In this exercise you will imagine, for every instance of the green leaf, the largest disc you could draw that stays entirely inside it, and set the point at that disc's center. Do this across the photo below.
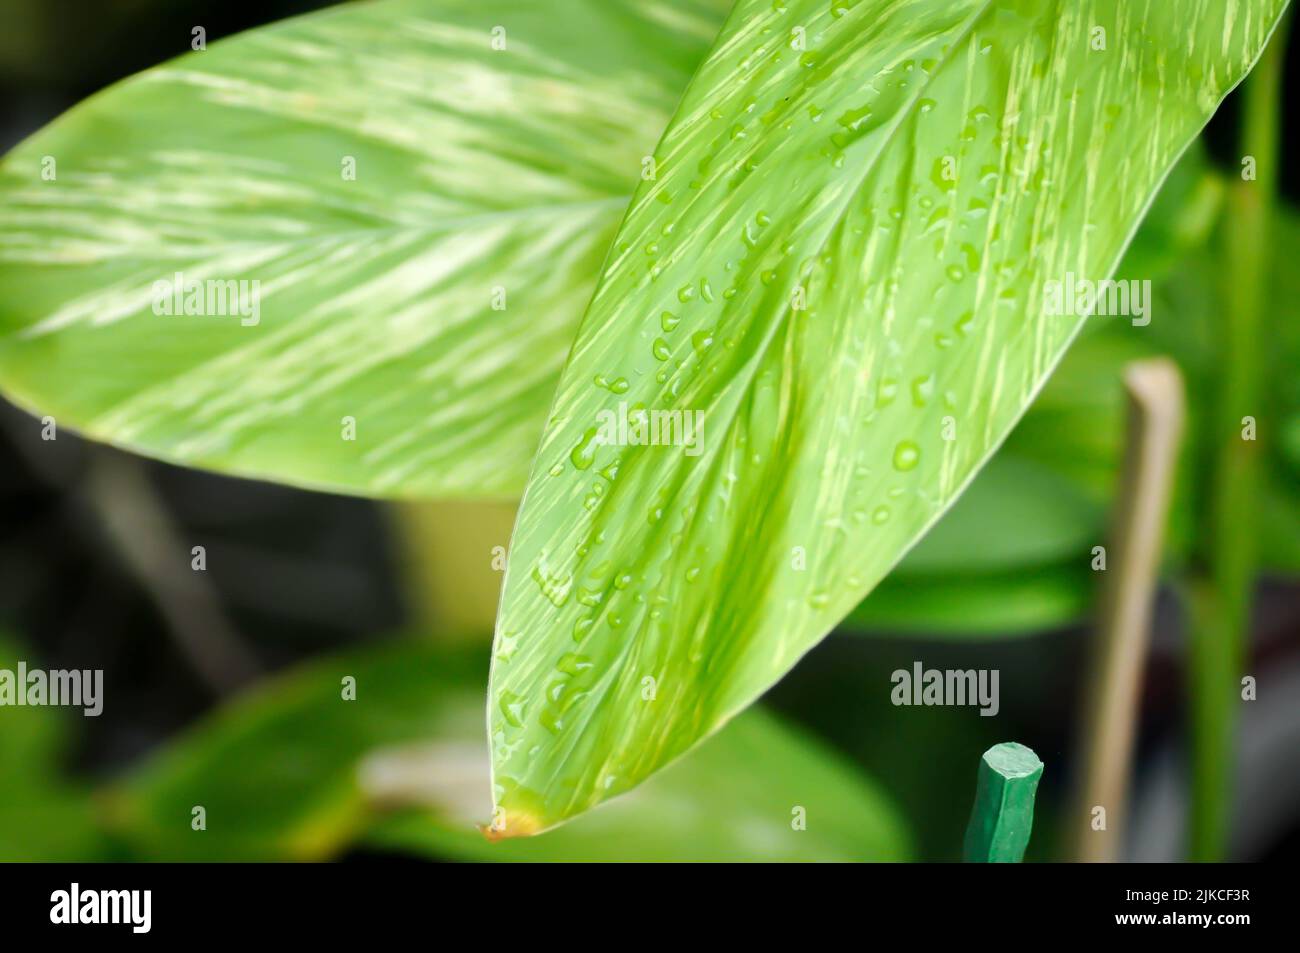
(276, 771)
(814, 282)
(983, 528)
(43, 815)
(294, 771)
(977, 605)
(1009, 558)
(1011, 555)
(476, 169)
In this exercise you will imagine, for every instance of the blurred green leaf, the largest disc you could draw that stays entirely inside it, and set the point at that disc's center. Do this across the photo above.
(844, 250)
(1010, 558)
(295, 771)
(973, 605)
(43, 815)
(476, 169)
(1016, 513)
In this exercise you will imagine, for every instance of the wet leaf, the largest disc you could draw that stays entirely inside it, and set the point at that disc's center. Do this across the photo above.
(831, 298)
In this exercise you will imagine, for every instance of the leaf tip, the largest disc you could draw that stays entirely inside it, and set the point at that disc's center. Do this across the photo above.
(511, 825)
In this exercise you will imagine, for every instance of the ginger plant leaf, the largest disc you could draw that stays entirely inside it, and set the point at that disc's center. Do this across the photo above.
(816, 323)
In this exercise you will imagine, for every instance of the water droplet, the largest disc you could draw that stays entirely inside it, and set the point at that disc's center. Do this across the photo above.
(584, 453)
(922, 390)
(886, 391)
(554, 587)
(512, 709)
(906, 456)
(881, 515)
(668, 321)
(853, 118)
(660, 350)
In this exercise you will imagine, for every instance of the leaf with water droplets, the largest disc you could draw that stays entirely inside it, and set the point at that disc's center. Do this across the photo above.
(422, 191)
(893, 297)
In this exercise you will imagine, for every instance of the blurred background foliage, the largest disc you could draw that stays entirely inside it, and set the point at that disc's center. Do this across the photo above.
(303, 589)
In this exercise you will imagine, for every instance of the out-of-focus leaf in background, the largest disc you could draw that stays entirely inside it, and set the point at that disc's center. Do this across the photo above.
(476, 169)
(43, 816)
(843, 249)
(295, 771)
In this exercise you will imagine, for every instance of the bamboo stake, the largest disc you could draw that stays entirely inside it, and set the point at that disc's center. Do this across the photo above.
(1155, 421)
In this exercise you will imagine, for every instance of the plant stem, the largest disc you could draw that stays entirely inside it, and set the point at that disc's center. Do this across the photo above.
(1221, 593)
(118, 491)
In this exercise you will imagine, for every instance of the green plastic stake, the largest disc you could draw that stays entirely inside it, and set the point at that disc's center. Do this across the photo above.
(1003, 815)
